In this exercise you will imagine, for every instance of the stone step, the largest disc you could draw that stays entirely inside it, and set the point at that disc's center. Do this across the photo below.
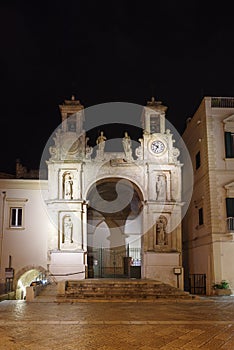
(125, 290)
(102, 289)
(50, 289)
(47, 293)
(124, 295)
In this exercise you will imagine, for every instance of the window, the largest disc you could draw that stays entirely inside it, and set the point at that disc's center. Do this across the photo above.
(71, 123)
(154, 123)
(229, 144)
(198, 160)
(16, 217)
(230, 214)
(16, 212)
(200, 216)
(230, 207)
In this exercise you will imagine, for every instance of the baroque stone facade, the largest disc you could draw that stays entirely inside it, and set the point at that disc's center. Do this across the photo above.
(148, 179)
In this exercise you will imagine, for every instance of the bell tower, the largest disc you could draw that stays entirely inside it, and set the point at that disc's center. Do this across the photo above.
(67, 246)
(153, 119)
(72, 113)
(157, 142)
(70, 138)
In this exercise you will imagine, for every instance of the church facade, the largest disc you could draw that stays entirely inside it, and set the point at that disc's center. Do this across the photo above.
(99, 213)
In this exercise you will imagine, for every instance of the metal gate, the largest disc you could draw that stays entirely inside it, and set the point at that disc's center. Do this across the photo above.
(197, 284)
(111, 262)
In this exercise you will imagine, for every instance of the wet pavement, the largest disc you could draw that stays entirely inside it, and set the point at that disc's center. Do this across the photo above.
(44, 324)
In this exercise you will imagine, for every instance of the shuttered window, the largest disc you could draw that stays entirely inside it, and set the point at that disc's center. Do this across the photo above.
(16, 217)
(229, 144)
(230, 207)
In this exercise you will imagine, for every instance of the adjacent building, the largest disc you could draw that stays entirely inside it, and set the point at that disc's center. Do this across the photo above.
(208, 226)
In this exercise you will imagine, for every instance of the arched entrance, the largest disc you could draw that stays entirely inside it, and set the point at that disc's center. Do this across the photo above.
(114, 229)
(27, 275)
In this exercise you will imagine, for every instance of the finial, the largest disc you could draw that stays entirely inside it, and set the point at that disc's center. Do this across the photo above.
(157, 105)
(72, 101)
(153, 102)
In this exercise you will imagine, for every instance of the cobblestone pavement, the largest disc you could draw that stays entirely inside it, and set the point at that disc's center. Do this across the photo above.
(167, 325)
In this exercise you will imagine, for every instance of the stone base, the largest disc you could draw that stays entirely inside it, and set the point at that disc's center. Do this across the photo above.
(222, 292)
(160, 267)
(67, 265)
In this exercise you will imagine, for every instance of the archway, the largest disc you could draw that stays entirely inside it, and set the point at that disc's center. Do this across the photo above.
(25, 277)
(114, 228)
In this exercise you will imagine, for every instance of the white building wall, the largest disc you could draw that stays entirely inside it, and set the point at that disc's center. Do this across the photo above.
(27, 246)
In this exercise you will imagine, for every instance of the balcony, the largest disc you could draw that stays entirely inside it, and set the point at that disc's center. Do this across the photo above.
(222, 102)
(230, 224)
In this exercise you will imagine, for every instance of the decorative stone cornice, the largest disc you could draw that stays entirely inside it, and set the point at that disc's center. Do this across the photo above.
(229, 123)
(230, 189)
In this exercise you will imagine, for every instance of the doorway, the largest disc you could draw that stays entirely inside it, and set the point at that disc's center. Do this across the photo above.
(114, 229)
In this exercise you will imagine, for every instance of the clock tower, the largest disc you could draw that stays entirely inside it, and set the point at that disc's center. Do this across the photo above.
(157, 142)
(163, 168)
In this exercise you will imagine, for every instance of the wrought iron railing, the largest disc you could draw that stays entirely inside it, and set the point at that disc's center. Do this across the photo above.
(197, 284)
(135, 254)
(230, 224)
(222, 102)
(113, 262)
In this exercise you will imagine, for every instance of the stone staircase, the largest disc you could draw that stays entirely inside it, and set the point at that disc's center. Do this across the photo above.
(47, 294)
(120, 290)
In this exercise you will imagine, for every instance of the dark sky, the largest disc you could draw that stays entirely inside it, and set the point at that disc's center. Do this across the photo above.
(104, 51)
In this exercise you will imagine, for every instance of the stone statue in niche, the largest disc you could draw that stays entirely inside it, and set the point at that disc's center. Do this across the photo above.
(68, 186)
(127, 146)
(161, 234)
(161, 187)
(67, 230)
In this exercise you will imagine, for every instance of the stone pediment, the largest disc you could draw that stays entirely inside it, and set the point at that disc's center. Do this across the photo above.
(229, 123)
(230, 189)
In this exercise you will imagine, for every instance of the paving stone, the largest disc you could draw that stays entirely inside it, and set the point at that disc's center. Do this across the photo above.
(46, 325)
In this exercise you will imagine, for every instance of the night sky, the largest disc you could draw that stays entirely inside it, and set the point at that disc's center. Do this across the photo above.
(105, 51)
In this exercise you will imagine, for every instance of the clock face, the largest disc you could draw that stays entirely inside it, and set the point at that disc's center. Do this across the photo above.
(157, 147)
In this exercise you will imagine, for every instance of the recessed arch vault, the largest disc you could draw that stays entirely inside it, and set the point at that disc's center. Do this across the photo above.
(114, 202)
